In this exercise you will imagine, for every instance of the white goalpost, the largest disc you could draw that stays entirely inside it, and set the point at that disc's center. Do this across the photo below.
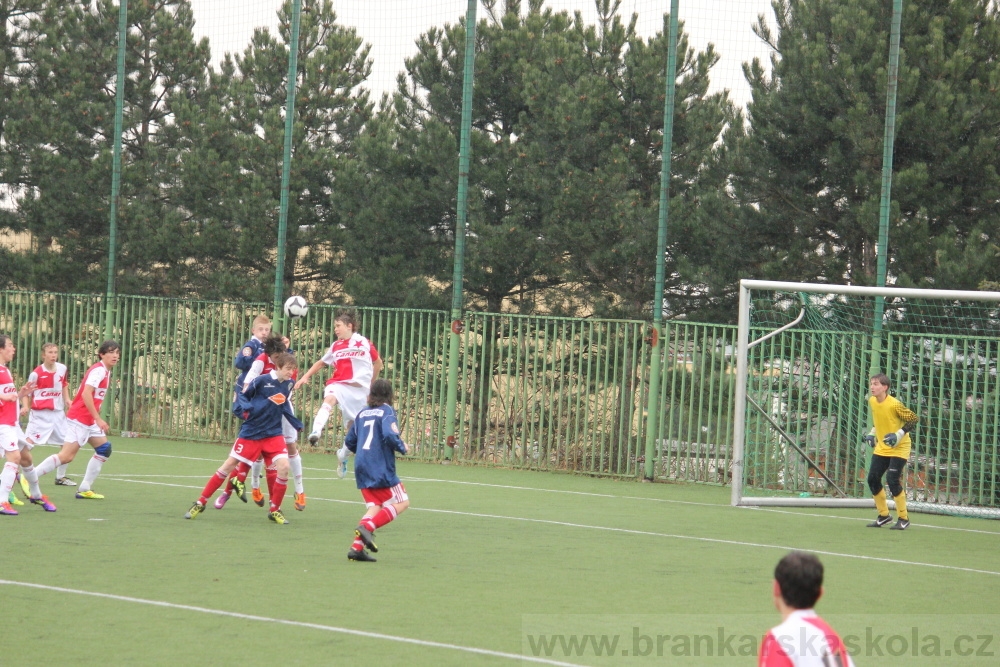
(804, 355)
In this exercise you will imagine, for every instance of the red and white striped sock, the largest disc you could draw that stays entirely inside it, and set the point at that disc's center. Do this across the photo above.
(384, 516)
(278, 492)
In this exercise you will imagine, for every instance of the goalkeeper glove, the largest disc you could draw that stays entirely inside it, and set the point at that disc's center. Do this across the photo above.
(892, 439)
(869, 439)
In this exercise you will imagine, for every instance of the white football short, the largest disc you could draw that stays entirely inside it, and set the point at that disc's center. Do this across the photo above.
(351, 399)
(8, 439)
(287, 430)
(81, 433)
(47, 427)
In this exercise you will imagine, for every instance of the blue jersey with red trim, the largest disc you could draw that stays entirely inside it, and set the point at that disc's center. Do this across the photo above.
(262, 406)
(374, 438)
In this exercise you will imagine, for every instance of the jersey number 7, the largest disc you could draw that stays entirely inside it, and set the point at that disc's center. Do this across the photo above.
(368, 424)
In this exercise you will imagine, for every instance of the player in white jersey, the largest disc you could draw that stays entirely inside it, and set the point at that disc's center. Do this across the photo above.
(356, 364)
(803, 639)
(46, 406)
(84, 424)
(12, 442)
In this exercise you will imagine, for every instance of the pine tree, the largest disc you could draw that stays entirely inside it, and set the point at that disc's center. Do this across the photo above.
(564, 184)
(242, 140)
(809, 168)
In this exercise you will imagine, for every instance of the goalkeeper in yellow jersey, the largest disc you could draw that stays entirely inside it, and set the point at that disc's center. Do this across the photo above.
(891, 439)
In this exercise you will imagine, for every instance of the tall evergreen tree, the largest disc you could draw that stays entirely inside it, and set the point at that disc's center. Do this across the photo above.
(564, 184)
(64, 134)
(241, 141)
(16, 35)
(609, 172)
(809, 168)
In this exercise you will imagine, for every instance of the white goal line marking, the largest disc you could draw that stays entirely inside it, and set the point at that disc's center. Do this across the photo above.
(564, 492)
(630, 531)
(855, 518)
(299, 624)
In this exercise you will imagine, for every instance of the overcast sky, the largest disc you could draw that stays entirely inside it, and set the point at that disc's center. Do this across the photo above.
(392, 26)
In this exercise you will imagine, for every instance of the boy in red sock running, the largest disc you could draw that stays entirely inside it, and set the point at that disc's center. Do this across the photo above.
(374, 440)
(262, 407)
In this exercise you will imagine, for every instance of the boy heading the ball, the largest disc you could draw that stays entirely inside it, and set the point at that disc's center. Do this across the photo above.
(356, 364)
(263, 407)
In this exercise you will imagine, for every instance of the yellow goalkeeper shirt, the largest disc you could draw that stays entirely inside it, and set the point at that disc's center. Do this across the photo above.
(889, 416)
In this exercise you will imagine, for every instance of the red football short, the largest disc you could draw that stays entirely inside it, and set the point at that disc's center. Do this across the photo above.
(249, 451)
(389, 495)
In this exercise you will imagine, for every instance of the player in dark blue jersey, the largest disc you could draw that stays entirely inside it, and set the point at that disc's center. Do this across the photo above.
(374, 440)
(260, 330)
(263, 407)
(273, 344)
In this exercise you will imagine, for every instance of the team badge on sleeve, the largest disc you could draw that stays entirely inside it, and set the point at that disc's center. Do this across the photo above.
(247, 351)
(395, 428)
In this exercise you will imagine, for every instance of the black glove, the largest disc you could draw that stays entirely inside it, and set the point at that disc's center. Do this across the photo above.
(892, 439)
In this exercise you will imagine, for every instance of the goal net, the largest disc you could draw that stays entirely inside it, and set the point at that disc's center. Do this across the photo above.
(805, 354)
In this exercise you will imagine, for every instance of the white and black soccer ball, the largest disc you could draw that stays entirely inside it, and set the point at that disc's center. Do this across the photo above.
(296, 306)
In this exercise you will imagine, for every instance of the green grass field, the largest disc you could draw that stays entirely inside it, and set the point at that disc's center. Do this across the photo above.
(488, 566)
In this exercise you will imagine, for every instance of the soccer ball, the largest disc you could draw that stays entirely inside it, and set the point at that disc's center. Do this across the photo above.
(296, 306)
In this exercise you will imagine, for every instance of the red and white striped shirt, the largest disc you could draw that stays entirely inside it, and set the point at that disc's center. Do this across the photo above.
(8, 409)
(803, 640)
(352, 360)
(97, 376)
(48, 394)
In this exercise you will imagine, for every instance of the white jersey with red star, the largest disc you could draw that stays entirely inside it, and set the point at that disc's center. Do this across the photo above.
(8, 409)
(803, 640)
(352, 361)
(48, 394)
(98, 377)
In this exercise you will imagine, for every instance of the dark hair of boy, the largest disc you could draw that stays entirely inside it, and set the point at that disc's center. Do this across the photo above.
(348, 316)
(108, 346)
(273, 344)
(284, 360)
(380, 393)
(882, 379)
(800, 578)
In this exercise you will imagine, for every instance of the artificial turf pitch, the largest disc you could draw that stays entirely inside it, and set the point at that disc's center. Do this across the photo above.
(488, 567)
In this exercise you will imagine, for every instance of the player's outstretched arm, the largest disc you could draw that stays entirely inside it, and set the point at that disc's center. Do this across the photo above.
(26, 390)
(309, 373)
(26, 398)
